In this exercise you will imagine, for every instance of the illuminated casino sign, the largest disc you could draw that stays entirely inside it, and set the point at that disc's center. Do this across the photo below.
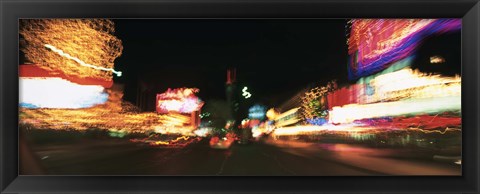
(373, 44)
(182, 100)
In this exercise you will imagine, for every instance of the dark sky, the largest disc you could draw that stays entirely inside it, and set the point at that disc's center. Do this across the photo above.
(274, 58)
(448, 46)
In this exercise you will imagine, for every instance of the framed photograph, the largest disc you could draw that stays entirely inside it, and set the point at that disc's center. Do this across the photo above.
(239, 96)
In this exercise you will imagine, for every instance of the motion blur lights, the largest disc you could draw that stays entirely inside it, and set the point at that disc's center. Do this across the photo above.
(352, 112)
(245, 93)
(256, 132)
(59, 93)
(181, 100)
(373, 44)
(305, 129)
(271, 114)
(66, 55)
(203, 132)
(403, 92)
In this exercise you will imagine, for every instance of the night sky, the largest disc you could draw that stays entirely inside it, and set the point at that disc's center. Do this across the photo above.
(274, 58)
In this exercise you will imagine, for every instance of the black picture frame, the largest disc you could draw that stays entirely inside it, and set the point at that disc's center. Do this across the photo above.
(11, 11)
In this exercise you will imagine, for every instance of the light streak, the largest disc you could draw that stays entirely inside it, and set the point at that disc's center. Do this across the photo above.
(181, 141)
(308, 129)
(448, 129)
(352, 128)
(68, 56)
(171, 141)
(419, 122)
(352, 112)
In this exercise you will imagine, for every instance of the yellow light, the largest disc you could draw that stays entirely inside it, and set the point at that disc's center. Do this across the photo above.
(271, 114)
(90, 40)
(402, 92)
(352, 112)
(308, 129)
(408, 83)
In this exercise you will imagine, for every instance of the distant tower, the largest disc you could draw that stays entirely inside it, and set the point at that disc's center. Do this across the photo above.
(231, 75)
(230, 88)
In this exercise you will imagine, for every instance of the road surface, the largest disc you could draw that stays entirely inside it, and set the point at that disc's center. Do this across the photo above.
(120, 157)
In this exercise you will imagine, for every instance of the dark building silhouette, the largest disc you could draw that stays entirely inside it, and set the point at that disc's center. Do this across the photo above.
(145, 99)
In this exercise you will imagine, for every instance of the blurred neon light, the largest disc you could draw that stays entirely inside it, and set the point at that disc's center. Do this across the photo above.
(66, 55)
(257, 131)
(411, 84)
(352, 112)
(304, 129)
(376, 43)
(59, 93)
(245, 93)
(257, 112)
(271, 114)
(181, 100)
(395, 83)
(352, 129)
(449, 121)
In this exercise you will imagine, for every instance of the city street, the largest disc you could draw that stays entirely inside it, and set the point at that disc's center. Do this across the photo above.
(120, 157)
(337, 97)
